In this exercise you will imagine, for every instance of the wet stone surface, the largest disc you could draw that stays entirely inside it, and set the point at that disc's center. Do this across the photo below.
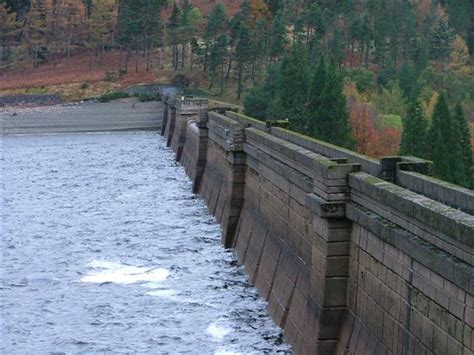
(106, 250)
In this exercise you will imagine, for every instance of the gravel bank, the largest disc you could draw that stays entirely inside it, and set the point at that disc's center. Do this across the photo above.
(22, 100)
(118, 115)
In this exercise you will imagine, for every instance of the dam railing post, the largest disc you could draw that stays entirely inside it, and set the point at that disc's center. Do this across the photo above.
(236, 160)
(164, 121)
(170, 121)
(202, 148)
(331, 241)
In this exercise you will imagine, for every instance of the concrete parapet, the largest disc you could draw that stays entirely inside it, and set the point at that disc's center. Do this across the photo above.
(438, 190)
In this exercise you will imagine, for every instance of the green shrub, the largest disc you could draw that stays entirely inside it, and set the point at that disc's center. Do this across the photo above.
(37, 91)
(256, 103)
(111, 76)
(363, 78)
(182, 79)
(85, 86)
(392, 121)
(391, 100)
(145, 97)
(113, 95)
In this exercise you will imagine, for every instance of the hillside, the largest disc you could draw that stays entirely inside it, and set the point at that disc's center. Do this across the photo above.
(341, 71)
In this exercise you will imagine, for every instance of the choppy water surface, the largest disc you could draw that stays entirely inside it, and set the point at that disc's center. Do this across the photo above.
(106, 250)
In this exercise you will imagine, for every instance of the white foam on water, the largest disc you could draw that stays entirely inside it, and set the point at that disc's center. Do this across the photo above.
(123, 274)
(102, 264)
(218, 331)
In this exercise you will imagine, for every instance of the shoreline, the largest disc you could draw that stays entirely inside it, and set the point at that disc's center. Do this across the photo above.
(87, 116)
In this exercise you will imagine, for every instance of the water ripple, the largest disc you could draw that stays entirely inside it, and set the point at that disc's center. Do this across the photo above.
(106, 250)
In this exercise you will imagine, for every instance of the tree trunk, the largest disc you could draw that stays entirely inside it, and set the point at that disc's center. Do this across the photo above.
(148, 60)
(183, 53)
(120, 57)
(101, 54)
(239, 81)
(229, 67)
(367, 56)
(90, 60)
(127, 58)
(68, 51)
(205, 57)
(137, 59)
(191, 54)
(222, 79)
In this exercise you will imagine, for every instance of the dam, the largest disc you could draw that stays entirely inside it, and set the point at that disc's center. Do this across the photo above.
(346, 254)
(354, 255)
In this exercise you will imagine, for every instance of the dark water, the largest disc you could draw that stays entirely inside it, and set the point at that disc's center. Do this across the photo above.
(106, 250)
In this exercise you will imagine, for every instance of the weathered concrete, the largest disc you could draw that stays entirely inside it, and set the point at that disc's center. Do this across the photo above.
(353, 254)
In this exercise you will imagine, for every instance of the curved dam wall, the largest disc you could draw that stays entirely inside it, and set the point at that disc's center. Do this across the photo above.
(353, 254)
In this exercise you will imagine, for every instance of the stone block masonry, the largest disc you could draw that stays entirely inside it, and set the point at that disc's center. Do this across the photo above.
(354, 255)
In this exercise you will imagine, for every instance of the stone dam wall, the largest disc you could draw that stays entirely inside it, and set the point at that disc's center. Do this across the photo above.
(354, 255)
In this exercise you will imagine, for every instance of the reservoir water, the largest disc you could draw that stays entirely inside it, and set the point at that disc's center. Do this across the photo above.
(105, 250)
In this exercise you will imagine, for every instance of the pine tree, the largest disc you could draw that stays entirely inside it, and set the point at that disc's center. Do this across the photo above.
(328, 119)
(440, 40)
(275, 6)
(336, 47)
(99, 27)
(174, 33)
(242, 56)
(292, 86)
(243, 43)
(35, 30)
(278, 36)
(9, 28)
(465, 144)
(216, 24)
(318, 81)
(73, 26)
(217, 58)
(258, 103)
(189, 20)
(445, 145)
(415, 129)
(152, 34)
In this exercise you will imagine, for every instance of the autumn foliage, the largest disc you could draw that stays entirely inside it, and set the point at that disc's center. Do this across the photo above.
(370, 139)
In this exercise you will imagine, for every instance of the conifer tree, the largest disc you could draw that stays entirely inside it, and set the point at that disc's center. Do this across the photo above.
(8, 30)
(440, 40)
(258, 103)
(292, 86)
(415, 129)
(445, 144)
(217, 58)
(216, 24)
(152, 29)
(243, 43)
(190, 17)
(328, 117)
(36, 29)
(318, 81)
(174, 33)
(465, 144)
(278, 36)
(99, 25)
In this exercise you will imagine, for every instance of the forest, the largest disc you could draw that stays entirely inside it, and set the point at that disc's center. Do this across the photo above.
(382, 77)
